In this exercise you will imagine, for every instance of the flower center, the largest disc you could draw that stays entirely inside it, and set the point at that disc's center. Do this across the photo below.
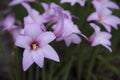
(100, 18)
(34, 46)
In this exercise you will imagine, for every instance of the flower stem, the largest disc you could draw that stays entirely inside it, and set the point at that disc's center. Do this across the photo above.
(67, 70)
(91, 63)
(31, 73)
(80, 62)
(43, 74)
(51, 70)
(37, 73)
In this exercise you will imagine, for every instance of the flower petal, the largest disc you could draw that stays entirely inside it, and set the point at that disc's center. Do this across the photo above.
(72, 38)
(45, 38)
(107, 27)
(15, 2)
(23, 41)
(50, 53)
(27, 59)
(32, 29)
(112, 5)
(38, 57)
(93, 16)
(95, 27)
(27, 7)
(45, 6)
(107, 47)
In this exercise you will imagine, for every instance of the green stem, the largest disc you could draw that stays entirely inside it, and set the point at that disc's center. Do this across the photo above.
(80, 62)
(91, 63)
(43, 74)
(51, 71)
(67, 70)
(7, 63)
(31, 73)
(37, 73)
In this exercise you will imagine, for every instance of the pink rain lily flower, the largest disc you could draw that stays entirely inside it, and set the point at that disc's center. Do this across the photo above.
(104, 4)
(15, 2)
(105, 17)
(100, 37)
(69, 33)
(81, 2)
(36, 44)
(72, 38)
(52, 12)
(8, 22)
(33, 16)
(64, 29)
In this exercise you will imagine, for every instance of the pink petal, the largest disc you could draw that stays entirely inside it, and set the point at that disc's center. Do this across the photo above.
(38, 57)
(93, 16)
(50, 53)
(105, 12)
(28, 20)
(107, 27)
(27, 59)
(27, 7)
(107, 47)
(95, 27)
(106, 35)
(30, 0)
(33, 30)
(15, 2)
(8, 22)
(113, 21)
(81, 2)
(112, 5)
(23, 41)
(97, 5)
(45, 6)
(72, 38)
(45, 38)
(72, 2)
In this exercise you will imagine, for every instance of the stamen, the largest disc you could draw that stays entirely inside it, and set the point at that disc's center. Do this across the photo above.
(100, 18)
(34, 46)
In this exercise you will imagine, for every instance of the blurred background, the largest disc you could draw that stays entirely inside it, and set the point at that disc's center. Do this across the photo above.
(78, 62)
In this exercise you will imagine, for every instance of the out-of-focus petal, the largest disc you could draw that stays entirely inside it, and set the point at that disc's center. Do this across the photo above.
(107, 47)
(33, 30)
(112, 5)
(73, 38)
(95, 27)
(93, 17)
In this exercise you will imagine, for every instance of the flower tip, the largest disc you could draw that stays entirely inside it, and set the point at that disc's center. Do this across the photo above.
(25, 69)
(58, 60)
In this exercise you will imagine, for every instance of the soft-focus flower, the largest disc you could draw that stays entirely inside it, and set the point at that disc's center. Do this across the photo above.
(33, 16)
(81, 2)
(104, 4)
(52, 12)
(15, 2)
(8, 22)
(100, 37)
(16, 32)
(69, 33)
(105, 17)
(63, 28)
(36, 44)
(72, 38)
